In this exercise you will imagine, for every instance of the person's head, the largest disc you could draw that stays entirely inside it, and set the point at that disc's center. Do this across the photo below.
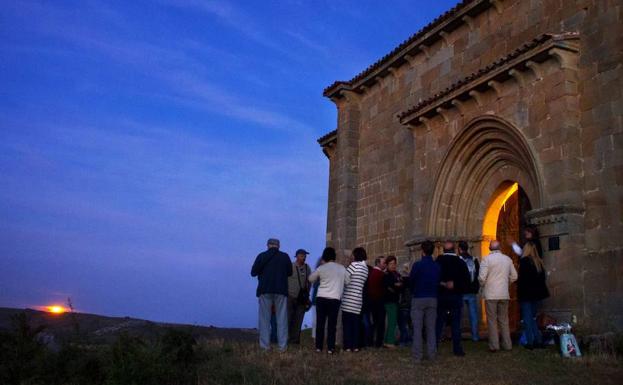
(428, 248)
(530, 251)
(448, 247)
(391, 263)
(463, 247)
(359, 254)
(272, 243)
(380, 262)
(530, 233)
(301, 255)
(328, 254)
(494, 245)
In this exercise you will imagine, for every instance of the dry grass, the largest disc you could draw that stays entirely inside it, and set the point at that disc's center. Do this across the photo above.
(244, 363)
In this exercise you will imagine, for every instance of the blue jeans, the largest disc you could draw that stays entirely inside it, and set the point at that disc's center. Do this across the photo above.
(471, 300)
(528, 317)
(266, 302)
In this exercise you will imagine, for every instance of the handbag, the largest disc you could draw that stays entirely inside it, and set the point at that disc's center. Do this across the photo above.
(303, 296)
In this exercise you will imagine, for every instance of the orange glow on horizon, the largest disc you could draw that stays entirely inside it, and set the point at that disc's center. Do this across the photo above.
(55, 309)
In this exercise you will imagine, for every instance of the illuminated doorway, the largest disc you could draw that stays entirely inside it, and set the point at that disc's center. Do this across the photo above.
(505, 221)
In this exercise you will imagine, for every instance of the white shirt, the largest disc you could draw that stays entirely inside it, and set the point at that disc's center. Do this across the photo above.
(497, 272)
(332, 278)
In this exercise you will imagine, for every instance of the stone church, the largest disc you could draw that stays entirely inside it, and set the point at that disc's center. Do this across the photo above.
(498, 114)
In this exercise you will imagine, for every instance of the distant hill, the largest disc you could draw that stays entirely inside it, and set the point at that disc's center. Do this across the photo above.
(103, 329)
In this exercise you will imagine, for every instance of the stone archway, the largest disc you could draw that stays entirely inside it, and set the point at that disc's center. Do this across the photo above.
(487, 153)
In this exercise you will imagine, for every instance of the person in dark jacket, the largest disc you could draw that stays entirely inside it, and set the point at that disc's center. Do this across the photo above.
(470, 297)
(454, 282)
(424, 283)
(272, 269)
(393, 287)
(531, 290)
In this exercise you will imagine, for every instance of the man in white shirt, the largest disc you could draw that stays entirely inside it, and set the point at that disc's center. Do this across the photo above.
(496, 274)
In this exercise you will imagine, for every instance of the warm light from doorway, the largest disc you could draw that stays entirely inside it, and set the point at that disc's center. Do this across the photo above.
(490, 222)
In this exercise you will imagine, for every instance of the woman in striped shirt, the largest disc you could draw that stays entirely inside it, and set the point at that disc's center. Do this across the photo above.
(352, 299)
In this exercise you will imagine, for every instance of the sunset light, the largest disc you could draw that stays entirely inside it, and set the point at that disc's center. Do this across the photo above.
(56, 309)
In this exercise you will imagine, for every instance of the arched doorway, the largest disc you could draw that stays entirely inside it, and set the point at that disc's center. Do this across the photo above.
(487, 179)
(505, 220)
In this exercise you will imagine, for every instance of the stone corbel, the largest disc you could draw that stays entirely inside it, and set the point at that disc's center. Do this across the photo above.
(536, 69)
(329, 150)
(459, 106)
(380, 80)
(444, 35)
(566, 59)
(444, 114)
(497, 4)
(424, 49)
(411, 60)
(477, 97)
(497, 87)
(393, 71)
(520, 77)
(350, 96)
(469, 21)
(426, 122)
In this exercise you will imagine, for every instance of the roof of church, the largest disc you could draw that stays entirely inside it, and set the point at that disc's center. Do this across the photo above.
(396, 56)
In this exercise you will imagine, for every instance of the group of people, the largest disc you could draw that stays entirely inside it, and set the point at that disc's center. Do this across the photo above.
(419, 300)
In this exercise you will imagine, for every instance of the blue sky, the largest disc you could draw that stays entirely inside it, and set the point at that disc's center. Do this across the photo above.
(149, 149)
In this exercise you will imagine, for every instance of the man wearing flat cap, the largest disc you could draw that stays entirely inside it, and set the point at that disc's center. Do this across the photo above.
(272, 269)
(298, 295)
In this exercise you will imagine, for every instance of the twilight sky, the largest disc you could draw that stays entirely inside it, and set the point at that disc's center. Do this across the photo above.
(149, 148)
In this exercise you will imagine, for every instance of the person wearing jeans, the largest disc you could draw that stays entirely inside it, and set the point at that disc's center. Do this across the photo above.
(470, 297)
(531, 290)
(272, 269)
(424, 283)
(332, 278)
(454, 278)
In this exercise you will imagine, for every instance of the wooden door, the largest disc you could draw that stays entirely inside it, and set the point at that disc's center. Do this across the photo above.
(511, 223)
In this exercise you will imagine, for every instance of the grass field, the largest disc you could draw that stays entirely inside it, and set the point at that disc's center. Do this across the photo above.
(136, 353)
(244, 363)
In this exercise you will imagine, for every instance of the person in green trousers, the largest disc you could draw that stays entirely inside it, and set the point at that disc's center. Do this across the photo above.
(393, 286)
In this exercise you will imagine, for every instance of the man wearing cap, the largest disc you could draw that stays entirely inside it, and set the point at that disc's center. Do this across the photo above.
(298, 295)
(272, 269)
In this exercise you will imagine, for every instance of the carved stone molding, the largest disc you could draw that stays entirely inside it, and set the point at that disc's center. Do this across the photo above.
(518, 64)
(557, 220)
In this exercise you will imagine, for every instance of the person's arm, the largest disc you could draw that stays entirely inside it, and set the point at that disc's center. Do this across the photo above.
(513, 273)
(313, 277)
(482, 274)
(347, 276)
(413, 274)
(289, 264)
(258, 266)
